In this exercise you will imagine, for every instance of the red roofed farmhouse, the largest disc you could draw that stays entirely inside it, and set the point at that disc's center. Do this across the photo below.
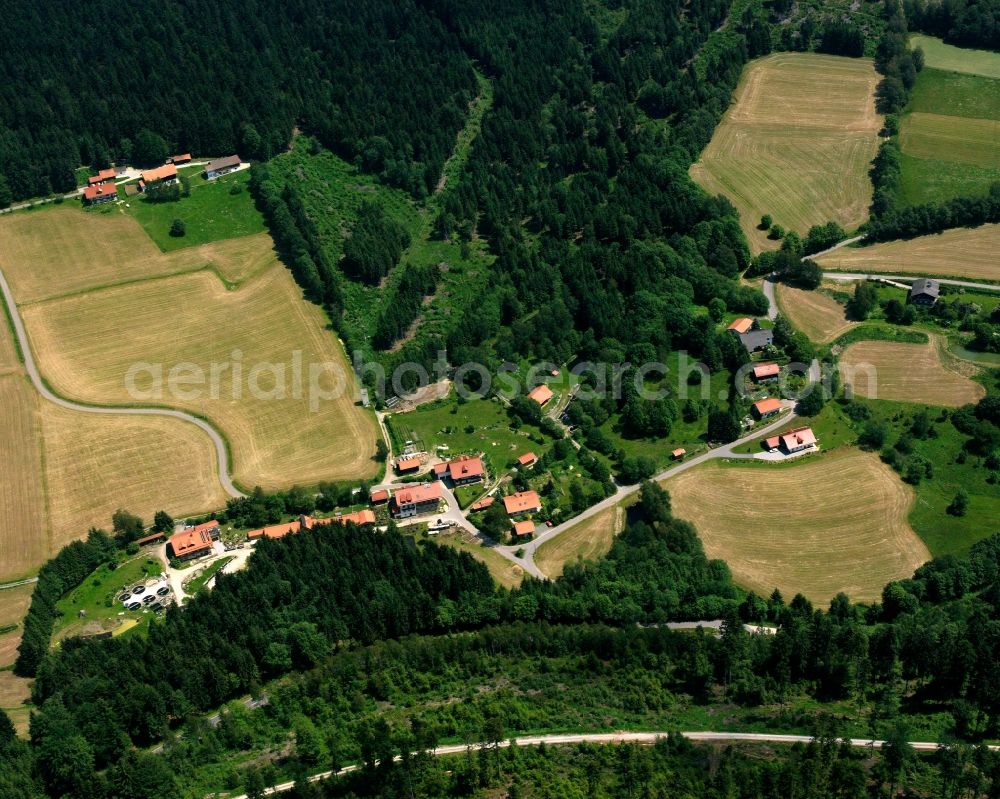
(522, 502)
(414, 501)
(101, 177)
(742, 325)
(798, 440)
(100, 193)
(195, 541)
(466, 470)
(526, 527)
(766, 407)
(540, 394)
(527, 459)
(162, 174)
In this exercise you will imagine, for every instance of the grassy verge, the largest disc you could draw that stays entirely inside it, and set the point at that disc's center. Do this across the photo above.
(199, 582)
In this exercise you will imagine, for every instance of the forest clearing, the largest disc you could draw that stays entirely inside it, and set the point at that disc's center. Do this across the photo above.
(591, 539)
(775, 529)
(795, 153)
(817, 315)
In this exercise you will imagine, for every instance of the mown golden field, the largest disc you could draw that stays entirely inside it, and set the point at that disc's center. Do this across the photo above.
(793, 152)
(829, 523)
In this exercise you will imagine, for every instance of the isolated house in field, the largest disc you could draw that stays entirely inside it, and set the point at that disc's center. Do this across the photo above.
(101, 177)
(798, 440)
(423, 498)
(678, 454)
(527, 527)
(540, 394)
(100, 193)
(221, 166)
(527, 460)
(161, 176)
(193, 542)
(522, 502)
(764, 372)
(756, 340)
(766, 408)
(925, 291)
(742, 325)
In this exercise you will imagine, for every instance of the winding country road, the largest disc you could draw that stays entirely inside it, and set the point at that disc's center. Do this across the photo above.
(225, 478)
(643, 738)
(527, 559)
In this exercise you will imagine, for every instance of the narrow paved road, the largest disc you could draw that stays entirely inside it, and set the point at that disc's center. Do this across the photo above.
(772, 302)
(836, 246)
(644, 738)
(32, 369)
(527, 561)
(903, 278)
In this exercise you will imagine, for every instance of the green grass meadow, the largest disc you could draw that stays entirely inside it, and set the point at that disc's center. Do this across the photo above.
(939, 55)
(950, 137)
(211, 213)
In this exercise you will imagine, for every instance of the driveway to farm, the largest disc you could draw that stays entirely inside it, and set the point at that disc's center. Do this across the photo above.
(225, 478)
(622, 737)
(836, 246)
(772, 302)
(879, 276)
(527, 560)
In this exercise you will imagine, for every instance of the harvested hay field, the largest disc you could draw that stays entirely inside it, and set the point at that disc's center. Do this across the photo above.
(14, 691)
(961, 252)
(920, 373)
(63, 250)
(87, 343)
(817, 315)
(775, 530)
(24, 543)
(97, 464)
(797, 144)
(589, 540)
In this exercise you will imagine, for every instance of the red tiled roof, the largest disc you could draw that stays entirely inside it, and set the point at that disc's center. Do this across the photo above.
(160, 173)
(100, 177)
(382, 495)
(769, 405)
(678, 452)
(483, 503)
(439, 469)
(772, 442)
(522, 502)
(99, 190)
(540, 394)
(524, 528)
(766, 370)
(181, 159)
(465, 468)
(365, 516)
(527, 459)
(741, 325)
(425, 492)
(275, 530)
(802, 437)
(407, 464)
(188, 542)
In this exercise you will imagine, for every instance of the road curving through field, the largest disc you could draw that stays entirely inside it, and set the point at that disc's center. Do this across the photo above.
(225, 478)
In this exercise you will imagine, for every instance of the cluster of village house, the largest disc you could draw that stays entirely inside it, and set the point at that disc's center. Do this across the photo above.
(756, 339)
(102, 188)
